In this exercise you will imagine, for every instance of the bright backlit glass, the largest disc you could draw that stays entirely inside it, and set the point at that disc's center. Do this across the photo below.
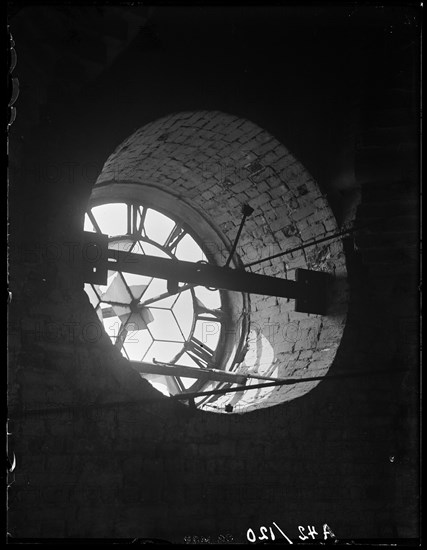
(146, 321)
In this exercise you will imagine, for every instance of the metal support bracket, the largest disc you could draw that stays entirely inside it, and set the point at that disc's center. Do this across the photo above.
(314, 291)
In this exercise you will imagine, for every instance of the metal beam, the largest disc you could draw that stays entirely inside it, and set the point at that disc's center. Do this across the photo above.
(206, 375)
(203, 274)
(309, 289)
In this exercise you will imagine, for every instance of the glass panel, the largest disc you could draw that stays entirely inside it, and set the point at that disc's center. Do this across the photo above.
(112, 327)
(156, 288)
(161, 387)
(208, 332)
(137, 343)
(117, 291)
(186, 360)
(111, 218)
(137, 249)
(158, 226)
(122, 312)
(88, 226)
(164, 326)
(152, 250)
(183, 310)
(188, 250)
(188, 382)
(211, 299)
(165, 384)
(136, 283)
(162, 351)
(100, 289)
(123, 245)
(159, 329)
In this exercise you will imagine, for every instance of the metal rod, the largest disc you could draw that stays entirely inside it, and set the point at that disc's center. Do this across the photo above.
(300, 247)
(283, 382)
(219, 371)
(313, 242)
(169, 369)
(246, 211)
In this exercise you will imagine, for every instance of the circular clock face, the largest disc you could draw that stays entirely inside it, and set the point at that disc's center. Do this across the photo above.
(145, 319)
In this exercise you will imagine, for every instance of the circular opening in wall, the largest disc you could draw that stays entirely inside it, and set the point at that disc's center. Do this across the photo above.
(184, 179)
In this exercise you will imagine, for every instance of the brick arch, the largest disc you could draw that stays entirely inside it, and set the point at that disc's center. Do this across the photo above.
(216, 162)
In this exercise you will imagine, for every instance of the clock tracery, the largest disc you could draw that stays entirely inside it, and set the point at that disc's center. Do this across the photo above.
(145, 318)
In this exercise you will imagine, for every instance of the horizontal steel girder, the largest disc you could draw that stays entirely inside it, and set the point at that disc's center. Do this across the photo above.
(309, 289)
(203, 274)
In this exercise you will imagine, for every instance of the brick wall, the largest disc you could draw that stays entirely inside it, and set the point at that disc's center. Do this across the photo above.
(345, 454)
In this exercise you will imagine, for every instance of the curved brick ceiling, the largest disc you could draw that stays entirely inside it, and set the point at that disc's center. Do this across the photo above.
(216, 162)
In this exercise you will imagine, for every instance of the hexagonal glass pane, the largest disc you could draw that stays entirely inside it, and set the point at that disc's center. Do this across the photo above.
(164, 326)
(183, 310)
(136, 344)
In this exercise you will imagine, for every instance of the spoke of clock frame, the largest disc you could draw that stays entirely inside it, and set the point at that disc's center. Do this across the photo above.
(174, 238)
(133, 228)
(202, 354)
(179, 382)
(126, 285)
(121, 335)
(93, 221)
(178, 324)
(202, 312)
(173, 380)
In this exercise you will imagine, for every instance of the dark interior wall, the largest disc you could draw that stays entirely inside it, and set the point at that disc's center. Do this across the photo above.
(339, 88)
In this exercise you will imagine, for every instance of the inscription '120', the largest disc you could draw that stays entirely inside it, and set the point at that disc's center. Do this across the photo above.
(267, 533)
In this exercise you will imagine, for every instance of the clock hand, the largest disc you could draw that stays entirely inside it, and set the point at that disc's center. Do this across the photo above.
(121, 336)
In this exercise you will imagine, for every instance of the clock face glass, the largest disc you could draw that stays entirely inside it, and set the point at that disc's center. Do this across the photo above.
(145, 320)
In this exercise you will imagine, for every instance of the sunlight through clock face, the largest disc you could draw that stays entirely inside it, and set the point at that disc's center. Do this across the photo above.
(144, 320)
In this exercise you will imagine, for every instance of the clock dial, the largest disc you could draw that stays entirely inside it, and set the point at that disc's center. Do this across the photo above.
(146, 319)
